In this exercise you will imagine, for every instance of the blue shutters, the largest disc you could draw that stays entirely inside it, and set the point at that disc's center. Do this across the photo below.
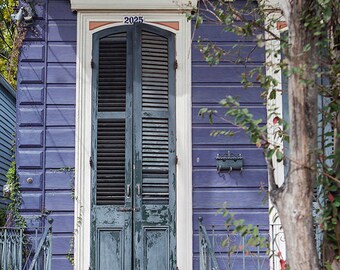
(111, 225)
(133, 205)
(155, 155)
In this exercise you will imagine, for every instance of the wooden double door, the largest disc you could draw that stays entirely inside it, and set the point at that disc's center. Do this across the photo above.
(133, 219)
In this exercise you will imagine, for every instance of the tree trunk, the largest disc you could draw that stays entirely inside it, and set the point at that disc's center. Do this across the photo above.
(294, 201)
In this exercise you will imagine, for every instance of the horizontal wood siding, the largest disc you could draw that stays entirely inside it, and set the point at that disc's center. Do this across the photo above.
(240, 191)
(46, 122)
(46, 129)
(7, 131)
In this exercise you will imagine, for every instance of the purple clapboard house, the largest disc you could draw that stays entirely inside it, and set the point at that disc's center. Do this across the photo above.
(110, 144)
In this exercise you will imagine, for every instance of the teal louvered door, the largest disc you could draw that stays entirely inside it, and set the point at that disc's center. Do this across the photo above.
(133, 157)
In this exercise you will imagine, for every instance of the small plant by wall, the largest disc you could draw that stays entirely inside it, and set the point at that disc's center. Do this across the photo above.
(3, 217)
(13, 216)
(79, 218)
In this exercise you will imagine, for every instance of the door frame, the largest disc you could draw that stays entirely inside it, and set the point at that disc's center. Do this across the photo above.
(87, 24)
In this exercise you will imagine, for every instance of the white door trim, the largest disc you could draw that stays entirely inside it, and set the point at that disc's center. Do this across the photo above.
(272, 65)
(84, 129)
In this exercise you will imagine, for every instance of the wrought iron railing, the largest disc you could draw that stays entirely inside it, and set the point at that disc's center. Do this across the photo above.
(223, 249)
(11, 247)
(21, 251)
(207, 253)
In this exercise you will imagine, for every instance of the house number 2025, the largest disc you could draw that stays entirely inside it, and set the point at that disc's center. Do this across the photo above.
(133, 19)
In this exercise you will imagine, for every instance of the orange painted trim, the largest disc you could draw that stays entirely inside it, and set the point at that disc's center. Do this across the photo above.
(173, 25)
(280, 25)
(94, 25)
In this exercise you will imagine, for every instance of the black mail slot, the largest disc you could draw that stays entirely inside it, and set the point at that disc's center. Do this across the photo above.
(229, 162)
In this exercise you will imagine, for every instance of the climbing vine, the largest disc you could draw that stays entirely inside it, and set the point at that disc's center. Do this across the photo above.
(14, 218)
(12, 191)
(311, 63)
(79, 218)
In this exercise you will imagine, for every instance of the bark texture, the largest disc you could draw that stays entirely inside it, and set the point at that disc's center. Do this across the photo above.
(294, 199)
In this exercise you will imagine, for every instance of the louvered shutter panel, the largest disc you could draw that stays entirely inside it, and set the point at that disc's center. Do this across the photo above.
(110, 186)
(111, 228)
(112, 73)
(156, 151)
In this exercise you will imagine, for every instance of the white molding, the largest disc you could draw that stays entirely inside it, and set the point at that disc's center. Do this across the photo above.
(132, 4)
(84, 130)
(272, 61)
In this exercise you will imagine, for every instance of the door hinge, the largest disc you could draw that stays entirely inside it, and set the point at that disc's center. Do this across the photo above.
(176, 160)
(91, 162)
(92, 63)
(176, 64)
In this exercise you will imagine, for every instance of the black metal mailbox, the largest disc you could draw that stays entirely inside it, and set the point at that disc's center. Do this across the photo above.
(229, 162)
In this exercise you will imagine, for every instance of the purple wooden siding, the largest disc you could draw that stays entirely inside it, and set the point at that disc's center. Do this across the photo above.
(46, 122)
(241, 192)
(46, 130)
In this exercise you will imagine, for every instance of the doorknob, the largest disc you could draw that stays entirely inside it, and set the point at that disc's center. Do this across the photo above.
(128, 190)
(138, 190)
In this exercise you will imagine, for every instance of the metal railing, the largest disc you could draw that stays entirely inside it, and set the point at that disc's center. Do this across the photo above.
(11, 243)
(21, 251)
(207, 253)
(223, 249)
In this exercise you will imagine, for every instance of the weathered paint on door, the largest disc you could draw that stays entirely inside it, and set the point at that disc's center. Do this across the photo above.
(133, 205)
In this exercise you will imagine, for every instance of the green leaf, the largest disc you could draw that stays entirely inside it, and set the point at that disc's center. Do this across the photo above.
(202, 112)
(279, 155)
(307, 48)
(272, 94)
(333, 188)
(270, 153)
(199, 21)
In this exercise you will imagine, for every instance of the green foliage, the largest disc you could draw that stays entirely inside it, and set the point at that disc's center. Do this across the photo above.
(12, 35)
(241, 117)
(70, 252)
(253, 238)
(322, 27)
(328, 211)
(69, 171)
(8, 34)
(10, 216)
(238, 226)
(13, 209)
(3, 217)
